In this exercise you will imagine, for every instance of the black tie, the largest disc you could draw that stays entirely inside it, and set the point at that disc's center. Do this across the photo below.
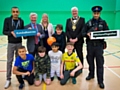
(74, 19)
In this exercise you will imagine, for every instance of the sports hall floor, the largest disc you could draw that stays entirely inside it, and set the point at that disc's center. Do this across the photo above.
(111, 71)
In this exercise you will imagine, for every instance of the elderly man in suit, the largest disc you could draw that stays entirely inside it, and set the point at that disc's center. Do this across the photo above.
(74, 26)
(34, 41)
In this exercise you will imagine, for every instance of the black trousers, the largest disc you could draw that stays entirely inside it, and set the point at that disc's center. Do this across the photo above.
(95, 51)
(79, 49)
(67, 76)
(35, 52)
(30, 78)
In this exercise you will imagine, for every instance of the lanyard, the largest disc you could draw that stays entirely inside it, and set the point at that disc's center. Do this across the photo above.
(34, 27)
(18, 23)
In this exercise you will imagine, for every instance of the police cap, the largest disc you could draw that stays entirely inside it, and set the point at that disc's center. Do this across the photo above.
(96, 9)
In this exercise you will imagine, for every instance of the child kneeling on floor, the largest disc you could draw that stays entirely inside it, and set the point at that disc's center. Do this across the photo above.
(24, 66)
(70, 59)
(42, 67)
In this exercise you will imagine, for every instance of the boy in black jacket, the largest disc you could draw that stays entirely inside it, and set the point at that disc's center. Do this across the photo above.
(60, 37)
(10, 24)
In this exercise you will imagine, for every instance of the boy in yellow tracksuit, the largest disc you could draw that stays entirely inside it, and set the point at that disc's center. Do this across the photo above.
(70, 59)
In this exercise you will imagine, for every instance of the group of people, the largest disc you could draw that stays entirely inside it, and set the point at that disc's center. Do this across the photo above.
(43, 61)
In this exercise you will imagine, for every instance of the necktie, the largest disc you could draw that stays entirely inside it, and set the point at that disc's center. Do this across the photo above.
(36, 37)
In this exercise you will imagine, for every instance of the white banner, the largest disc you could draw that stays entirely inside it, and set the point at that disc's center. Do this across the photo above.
(105, 34)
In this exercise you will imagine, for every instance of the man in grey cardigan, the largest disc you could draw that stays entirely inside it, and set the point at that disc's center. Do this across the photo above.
(34, 41)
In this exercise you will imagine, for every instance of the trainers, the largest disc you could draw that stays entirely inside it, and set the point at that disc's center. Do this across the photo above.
(52, 78)
(21, 86)
(74, 80)
(59, 78)
(7, 84)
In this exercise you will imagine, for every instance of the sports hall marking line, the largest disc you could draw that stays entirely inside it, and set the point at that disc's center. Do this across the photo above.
(116, 67)
(44, 86)
(105, 67)
(112, 71)
(2, 71)
(2, 45)
(3, 60)
(115, 44)
(3, 55)
(113, 67)
(112, 54)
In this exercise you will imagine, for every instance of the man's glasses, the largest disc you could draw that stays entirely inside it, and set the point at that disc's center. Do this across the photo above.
(15, 11)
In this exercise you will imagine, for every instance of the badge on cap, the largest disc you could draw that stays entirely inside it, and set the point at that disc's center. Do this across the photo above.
(96, 9)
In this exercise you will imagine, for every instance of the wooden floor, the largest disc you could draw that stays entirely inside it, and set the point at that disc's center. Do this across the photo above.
(111, 71)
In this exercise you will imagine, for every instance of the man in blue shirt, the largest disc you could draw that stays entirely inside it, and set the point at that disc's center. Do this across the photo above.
(34, 41)
(24, 67)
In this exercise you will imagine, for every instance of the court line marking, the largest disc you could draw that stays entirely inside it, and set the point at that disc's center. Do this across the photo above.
(2, 70)
(114, 44)
(3, 55)
(105, 67)
(44, 86)
(2, 45)
(112, 71)
(84, 68)
(113, 54)
(3, 60)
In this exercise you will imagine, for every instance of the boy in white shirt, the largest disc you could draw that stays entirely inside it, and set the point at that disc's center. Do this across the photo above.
(55, 56)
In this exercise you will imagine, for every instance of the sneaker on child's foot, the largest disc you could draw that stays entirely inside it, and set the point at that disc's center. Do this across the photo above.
(59, 78)
(21, 86)
(74, 80)
(7, 84)
(52, 78)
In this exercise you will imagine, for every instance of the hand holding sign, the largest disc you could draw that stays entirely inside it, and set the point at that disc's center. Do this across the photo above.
(13, 34)
(105, 34)
(89, 34)
(38, 34)
(25, 32)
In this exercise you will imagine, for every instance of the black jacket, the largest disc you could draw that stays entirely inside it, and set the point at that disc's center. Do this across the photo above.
(93, 24)
(9, 26)
(61, 39)
(77, 32)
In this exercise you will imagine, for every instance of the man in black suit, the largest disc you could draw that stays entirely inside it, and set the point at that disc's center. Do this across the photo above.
(34, 41)
(74, 26)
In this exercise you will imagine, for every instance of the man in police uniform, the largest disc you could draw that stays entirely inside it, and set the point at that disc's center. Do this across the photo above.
(95, 47)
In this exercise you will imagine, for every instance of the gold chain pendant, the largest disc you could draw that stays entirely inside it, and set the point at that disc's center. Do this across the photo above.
(73, 27)
(74, 24)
